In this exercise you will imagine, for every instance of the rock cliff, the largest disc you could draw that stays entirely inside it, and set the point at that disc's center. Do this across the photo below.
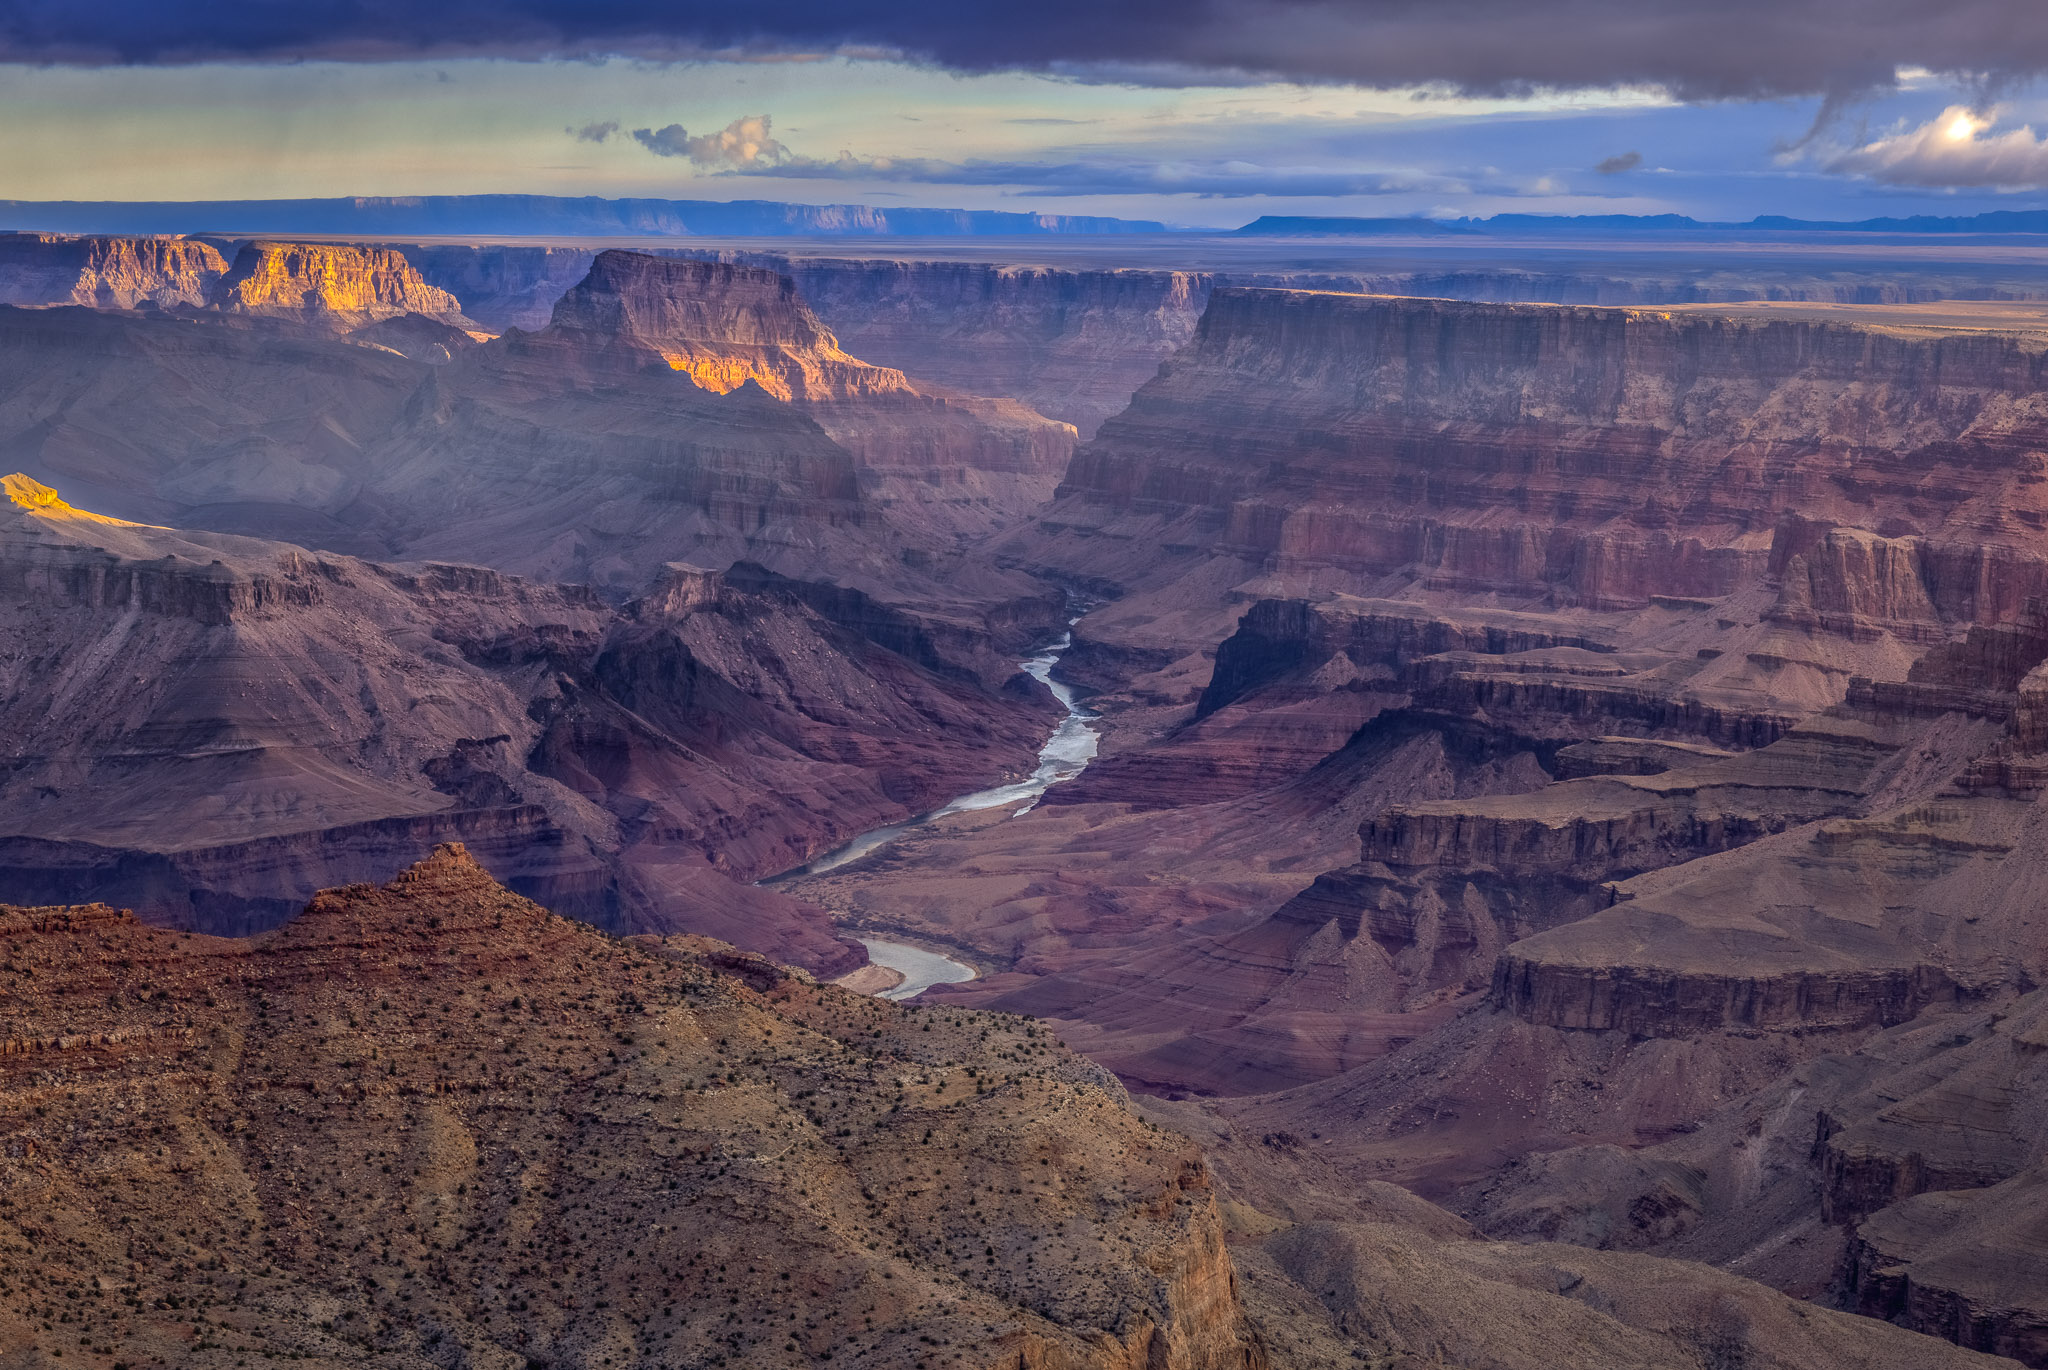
(1642, 455)
(328, 283)
(106, 273)
(1072, 344)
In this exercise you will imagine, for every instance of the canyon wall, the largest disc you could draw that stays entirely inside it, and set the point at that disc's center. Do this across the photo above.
(209, 727)
(317, 282)
(106, 273)
(1593, 457)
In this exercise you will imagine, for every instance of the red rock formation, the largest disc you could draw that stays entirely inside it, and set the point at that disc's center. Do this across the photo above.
(328, 283)
(1641, 454)
(106, 273)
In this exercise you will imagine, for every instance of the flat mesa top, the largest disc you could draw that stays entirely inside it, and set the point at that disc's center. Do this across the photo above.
(1932, 318)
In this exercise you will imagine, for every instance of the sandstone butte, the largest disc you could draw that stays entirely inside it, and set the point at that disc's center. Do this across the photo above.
(107, 273)
(432, 1123)
(346, 285)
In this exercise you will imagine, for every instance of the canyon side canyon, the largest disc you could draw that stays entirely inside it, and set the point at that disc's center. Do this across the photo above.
(1554, 876)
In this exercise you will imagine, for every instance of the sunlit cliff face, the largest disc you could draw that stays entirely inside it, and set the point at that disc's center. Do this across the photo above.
(721, 375)
(30, 494)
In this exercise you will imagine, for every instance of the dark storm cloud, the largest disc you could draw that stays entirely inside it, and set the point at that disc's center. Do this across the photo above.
(1698, 49)
(1614, 166)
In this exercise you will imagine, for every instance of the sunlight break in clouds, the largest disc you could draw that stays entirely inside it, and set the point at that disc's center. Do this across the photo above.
(1955, 149)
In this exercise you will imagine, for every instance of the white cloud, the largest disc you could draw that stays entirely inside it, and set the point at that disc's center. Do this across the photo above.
(1956, 149)
(746, 144)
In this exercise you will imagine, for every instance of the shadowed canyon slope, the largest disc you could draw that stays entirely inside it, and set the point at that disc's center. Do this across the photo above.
(210, 727)
(675, 411)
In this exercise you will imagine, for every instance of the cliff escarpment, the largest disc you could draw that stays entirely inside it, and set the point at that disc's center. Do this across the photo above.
(107, 273)
(1072, 344)
(331, 283)
(1585, 456)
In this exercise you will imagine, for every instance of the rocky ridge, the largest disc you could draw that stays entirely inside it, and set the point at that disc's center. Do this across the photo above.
(432, 1119)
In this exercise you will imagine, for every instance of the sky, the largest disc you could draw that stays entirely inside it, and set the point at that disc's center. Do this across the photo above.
(1199, 113)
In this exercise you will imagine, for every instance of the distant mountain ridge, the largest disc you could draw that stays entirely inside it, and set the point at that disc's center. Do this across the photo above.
(538, 215)
(1996, 221)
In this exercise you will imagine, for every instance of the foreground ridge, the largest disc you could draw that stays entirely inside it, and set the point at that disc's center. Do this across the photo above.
(432, 1123)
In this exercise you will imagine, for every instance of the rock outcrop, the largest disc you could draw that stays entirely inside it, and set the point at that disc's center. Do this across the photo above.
(432, 1120)
(107, 273)
(328, 283)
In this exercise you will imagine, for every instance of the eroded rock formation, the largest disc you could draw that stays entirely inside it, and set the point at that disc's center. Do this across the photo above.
(208, 728)
(106, 273)
(328, 283)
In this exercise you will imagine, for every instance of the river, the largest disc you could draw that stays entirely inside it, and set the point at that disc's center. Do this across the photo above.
(1065, 755)
(919, 968)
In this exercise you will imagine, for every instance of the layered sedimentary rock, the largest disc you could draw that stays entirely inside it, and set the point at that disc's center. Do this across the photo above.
(1598, 458)
(432, 1120)
(106, 273)
(209, 727)
(693, 411)
(327, 283)
(1072, 344)
(500, 285)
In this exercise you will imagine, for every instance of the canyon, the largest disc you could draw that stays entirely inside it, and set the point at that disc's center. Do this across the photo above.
(432, 1120)
(1554, 877)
